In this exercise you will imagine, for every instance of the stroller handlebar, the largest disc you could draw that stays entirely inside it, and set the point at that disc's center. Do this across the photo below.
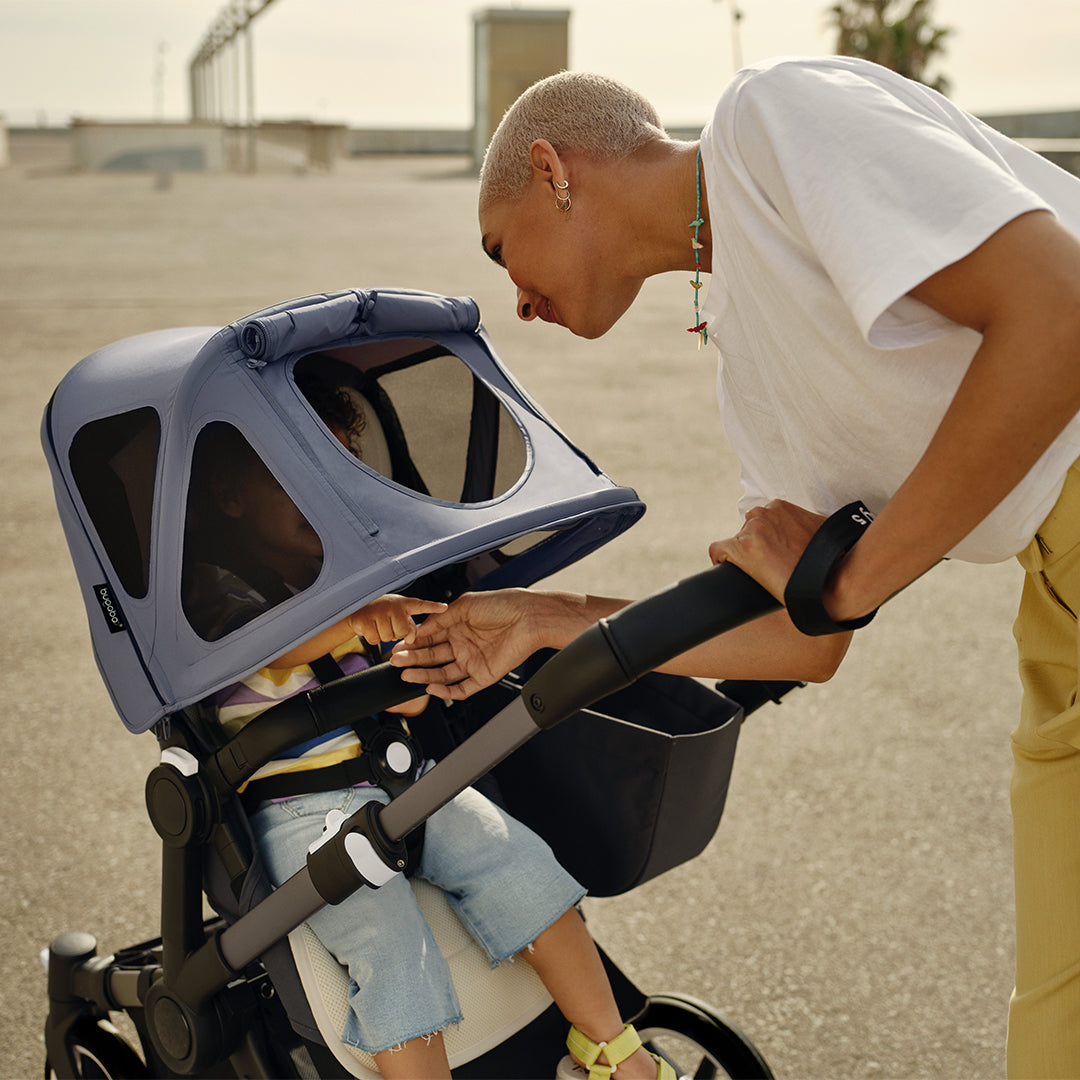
(608, 656)
(642, 636)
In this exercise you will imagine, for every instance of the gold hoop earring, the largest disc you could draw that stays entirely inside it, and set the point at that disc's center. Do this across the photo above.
(562, 196)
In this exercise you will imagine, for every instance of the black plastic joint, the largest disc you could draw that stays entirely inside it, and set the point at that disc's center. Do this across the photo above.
(203, 974)
(352, 852)
(589, 668)
(66, 954)
(179, 803)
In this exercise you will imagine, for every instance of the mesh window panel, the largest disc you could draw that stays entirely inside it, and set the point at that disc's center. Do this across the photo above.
(114, 462)
(247, 546)
(415, 413)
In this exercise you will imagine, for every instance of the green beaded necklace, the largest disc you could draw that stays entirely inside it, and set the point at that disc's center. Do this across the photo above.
(699, 328)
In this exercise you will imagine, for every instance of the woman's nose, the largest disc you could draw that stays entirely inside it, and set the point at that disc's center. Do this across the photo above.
(526, 309)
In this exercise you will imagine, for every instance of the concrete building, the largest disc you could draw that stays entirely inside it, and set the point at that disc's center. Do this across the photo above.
(512, 49)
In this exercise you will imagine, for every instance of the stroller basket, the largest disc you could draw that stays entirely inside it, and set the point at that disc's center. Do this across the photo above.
(641, 776)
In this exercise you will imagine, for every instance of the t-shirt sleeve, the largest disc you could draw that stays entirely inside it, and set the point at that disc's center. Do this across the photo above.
(885, 189)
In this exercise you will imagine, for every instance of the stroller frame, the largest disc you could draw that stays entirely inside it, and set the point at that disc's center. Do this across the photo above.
(199, 998)
(206, 998)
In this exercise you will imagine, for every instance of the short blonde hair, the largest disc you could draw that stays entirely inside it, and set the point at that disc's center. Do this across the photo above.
(572, 110)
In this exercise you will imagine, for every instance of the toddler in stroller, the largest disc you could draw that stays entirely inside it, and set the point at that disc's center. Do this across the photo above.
(241, 653)
(502, 879)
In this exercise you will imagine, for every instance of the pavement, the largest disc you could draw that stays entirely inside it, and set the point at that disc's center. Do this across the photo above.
(853, 913)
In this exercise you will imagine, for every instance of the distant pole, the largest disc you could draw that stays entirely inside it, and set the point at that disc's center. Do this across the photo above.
(194, 105)
(221, 85)
(736, 34)
(236, 112)
(249, 73)
(209, 72)
(159, 82)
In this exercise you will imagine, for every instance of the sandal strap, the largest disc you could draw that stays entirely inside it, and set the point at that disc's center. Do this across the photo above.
(618, 1049)
(664, 1071)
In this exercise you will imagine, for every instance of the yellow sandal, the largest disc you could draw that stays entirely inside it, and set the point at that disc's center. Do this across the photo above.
(618, 1049)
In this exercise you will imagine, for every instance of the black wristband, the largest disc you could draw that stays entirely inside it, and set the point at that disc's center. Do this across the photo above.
(803, 595)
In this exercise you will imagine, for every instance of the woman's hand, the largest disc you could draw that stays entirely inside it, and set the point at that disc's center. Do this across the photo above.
(482, 636)
(769, 544)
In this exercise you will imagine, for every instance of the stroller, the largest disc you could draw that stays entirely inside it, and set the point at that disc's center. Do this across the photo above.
(464, 484)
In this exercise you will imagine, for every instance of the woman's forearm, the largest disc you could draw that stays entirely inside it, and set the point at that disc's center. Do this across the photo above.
(766, 648)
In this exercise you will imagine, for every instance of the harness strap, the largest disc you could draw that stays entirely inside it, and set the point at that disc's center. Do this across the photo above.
(326, 669)
(342, 774)
(389, 759)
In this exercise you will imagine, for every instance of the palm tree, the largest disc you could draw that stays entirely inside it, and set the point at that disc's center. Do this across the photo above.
(880, 30)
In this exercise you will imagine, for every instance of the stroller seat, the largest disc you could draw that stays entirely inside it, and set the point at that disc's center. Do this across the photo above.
(495, 1003)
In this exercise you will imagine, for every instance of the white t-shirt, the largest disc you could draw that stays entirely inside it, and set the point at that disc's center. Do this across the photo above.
(835, 186)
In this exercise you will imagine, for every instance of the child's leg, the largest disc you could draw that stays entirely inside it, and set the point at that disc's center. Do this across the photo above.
(566, 959)
(400, 986)
(507, 887)
(418, 1059)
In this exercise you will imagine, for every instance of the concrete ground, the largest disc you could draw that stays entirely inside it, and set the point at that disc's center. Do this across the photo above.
(853, 913)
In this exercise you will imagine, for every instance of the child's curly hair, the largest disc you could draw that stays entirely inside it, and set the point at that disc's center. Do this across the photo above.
(335, 405)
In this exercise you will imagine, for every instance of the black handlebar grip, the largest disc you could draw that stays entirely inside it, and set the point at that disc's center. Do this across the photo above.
(641, 637)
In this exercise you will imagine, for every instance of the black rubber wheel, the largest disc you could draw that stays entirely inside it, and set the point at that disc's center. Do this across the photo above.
(100, 1052)
(698, 1042)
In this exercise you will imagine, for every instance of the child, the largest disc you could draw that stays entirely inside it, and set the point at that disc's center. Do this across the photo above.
(499, 876)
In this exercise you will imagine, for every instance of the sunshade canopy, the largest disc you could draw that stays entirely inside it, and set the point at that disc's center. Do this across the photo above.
(444, 476)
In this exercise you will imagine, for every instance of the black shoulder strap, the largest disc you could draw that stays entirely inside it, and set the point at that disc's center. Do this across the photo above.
(326, 669)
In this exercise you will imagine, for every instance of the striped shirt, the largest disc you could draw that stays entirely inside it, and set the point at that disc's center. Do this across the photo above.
(240, 703)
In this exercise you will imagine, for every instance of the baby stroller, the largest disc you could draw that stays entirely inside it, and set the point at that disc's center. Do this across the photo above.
(464, 485)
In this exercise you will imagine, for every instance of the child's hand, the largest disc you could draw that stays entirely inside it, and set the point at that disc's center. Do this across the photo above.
(389, 618)
(411, 708)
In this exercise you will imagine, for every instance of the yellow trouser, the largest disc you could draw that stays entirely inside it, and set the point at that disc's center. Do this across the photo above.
(1044, 1013)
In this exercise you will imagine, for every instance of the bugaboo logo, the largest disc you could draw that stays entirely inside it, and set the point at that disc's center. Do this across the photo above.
(114, 619)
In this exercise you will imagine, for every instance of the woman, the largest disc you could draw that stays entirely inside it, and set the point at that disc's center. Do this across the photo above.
(895, 298)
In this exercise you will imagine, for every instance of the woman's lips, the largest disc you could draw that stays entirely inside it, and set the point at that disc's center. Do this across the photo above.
(547, 312)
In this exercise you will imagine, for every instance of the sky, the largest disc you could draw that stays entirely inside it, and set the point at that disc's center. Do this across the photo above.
(408, 63)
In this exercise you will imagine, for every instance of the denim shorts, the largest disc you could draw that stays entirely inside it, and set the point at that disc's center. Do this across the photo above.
(500, 878)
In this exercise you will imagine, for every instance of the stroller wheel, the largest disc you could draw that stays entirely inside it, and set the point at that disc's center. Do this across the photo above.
(99, 1052)
(698, 1042)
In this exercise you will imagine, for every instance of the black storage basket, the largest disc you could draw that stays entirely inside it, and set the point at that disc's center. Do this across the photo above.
(626, 789)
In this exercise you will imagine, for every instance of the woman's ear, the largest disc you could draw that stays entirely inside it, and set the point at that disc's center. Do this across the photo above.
(547, 166)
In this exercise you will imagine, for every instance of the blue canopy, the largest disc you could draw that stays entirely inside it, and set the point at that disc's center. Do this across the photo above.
(462, 481)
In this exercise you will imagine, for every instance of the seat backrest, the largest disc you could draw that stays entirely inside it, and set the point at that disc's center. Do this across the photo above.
(374, 449)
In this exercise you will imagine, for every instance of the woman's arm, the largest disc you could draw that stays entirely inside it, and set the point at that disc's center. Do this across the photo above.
(482, 636)
(1021, 291)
